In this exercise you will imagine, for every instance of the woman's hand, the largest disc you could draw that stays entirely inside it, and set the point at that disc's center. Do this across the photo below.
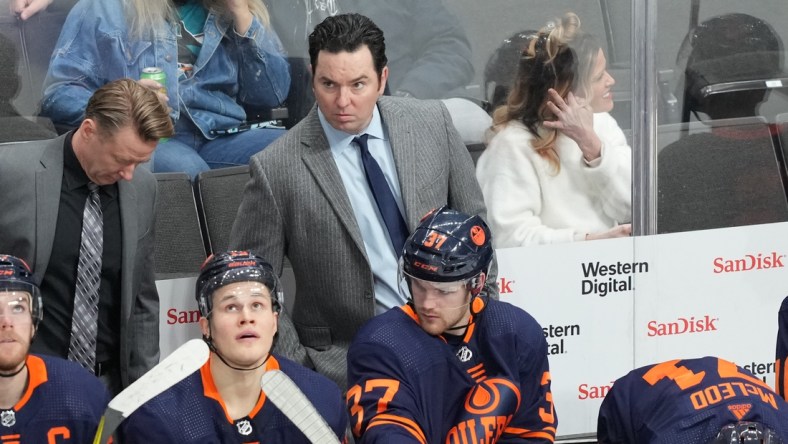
(623, 230)
(575, 119)
(242, 16)
(157, 88)
(25, 9)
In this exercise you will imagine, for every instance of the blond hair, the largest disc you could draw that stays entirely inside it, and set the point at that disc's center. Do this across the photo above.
(148, 18)
(124, 102)
(561, 57)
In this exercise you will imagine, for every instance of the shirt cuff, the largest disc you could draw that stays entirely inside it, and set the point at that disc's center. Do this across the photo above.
(595, 163)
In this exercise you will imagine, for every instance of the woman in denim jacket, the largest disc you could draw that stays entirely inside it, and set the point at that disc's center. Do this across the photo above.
(217, 54)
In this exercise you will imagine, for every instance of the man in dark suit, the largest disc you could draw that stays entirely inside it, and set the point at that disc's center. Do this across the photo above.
(45, 188)
(310, 197)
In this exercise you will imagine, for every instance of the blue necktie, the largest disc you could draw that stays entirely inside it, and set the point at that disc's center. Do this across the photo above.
(387, 205)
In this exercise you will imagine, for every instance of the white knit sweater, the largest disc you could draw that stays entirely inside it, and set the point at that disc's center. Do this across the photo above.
(528, 204)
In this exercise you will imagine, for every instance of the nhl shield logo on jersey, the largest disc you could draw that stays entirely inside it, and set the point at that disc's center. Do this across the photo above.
(244, 427)
(7, 418)
(464, 354)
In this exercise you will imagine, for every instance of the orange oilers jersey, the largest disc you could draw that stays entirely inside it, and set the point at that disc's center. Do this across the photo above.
(491, 385)
(687, 401)
(62, 404)
(193, 412)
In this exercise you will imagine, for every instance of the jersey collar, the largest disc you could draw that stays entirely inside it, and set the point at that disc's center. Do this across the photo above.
(210, 390)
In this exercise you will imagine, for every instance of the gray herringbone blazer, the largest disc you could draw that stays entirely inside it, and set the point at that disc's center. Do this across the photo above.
(31, 175)
(296, 205)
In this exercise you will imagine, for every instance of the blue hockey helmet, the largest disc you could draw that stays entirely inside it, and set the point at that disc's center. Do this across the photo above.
(448, 246)
(15, 275)
(235, 266)
(746, 432)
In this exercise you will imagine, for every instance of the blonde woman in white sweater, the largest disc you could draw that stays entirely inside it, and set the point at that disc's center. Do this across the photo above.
(558, 166)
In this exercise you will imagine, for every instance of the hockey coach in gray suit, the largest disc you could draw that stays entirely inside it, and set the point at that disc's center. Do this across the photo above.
(338, 194)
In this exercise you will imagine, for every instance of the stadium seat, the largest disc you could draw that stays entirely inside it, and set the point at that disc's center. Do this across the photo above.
(718, 174)
(476, 150)
(179, 249)
(782, 126)
(219, 194)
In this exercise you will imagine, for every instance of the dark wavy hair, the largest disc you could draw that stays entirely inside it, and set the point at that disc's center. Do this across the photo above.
(348, 32)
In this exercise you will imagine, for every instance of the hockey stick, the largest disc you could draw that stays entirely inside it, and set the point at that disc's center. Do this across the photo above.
(185, 360)
(286, 396)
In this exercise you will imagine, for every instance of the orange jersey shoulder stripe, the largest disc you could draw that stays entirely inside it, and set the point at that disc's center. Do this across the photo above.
(405, 423)
(525, 433)
(37, 375)
(409, 311)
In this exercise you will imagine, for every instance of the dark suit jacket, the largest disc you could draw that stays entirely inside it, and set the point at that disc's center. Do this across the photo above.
(31, 174)
(296, 205)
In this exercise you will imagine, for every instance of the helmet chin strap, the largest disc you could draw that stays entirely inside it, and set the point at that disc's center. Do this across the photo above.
(212, 347)
(24, 366)
(11, 375)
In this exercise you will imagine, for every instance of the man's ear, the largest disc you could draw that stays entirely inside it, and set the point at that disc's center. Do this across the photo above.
(88, 128)
(205, 328)
(384, 76)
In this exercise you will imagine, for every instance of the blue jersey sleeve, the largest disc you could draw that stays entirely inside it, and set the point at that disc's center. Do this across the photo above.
(614, 425)
(382, 407)
(781, 377)
(536, 419)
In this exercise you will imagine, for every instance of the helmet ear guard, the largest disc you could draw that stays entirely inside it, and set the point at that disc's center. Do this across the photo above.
(476, 284)
(478, 295)
(478, 304)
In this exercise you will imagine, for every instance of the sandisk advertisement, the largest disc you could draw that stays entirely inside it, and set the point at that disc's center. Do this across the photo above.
(609, 306)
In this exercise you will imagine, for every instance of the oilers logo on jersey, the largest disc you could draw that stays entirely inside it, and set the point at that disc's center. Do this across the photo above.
(488, 409)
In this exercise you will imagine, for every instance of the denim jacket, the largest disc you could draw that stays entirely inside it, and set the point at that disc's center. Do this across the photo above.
(95, 48)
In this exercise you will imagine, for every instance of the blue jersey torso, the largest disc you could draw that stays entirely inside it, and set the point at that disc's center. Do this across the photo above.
(687, 401)
(63, 403)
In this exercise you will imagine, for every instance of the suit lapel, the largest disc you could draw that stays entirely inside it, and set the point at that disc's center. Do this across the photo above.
(318, 159)
(49, 179)
(404, 147)
(128, 217)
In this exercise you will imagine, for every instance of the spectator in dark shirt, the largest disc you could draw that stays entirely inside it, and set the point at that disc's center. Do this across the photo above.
(728, 176)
